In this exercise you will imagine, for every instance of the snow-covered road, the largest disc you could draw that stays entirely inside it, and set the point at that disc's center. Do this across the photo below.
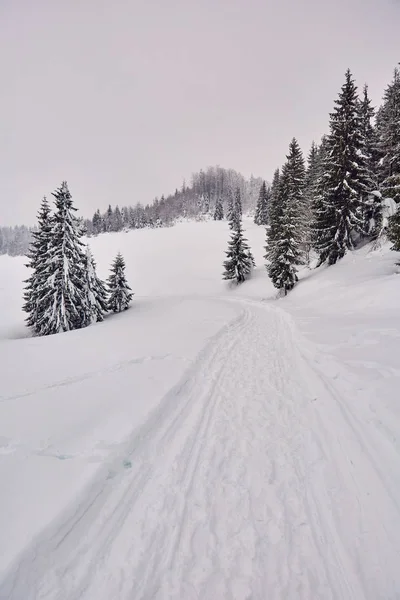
(253, 478)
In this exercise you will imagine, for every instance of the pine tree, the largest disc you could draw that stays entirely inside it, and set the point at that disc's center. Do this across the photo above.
(367, 114)
(240, 260)
(37, 262)
(120, 294)
(238, 205)
(117, 220)
(235, 210)
(394, 230)
(230, 209)
(108, 219)
(313, 173)
(274, 213)
(95, 290)
(219, 210)
(372, 216)
(343, 187)
(62, 300)
(261, 216)
(97, 222)
(285, 251)
(388, 132)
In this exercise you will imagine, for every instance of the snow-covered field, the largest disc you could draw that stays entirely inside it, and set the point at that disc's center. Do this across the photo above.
(210, 443)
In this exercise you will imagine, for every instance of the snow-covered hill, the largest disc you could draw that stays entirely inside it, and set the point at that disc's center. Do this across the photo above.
(210, 442)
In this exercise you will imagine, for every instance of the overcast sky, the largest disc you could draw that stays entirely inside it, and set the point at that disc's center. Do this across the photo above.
(125, 98)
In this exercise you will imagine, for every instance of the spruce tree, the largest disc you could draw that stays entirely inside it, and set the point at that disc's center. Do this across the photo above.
(240, 260)
(120, 294)
(37, 262)
(284, 252)
(369, 149)
(274, 213)
(236, 210)
(313, 173)
(261, 216)
(274, 205)
(219, 210)
(97, 222)
(343, 187)
(238, 204)
(230, 208)
(373, 205)
(394, 230)
(62, 300)
(96, 292)
(117, 219)
(388, 132)
(109, 219)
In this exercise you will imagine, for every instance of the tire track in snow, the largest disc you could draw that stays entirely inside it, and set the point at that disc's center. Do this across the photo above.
(159, 430)
(242, 484)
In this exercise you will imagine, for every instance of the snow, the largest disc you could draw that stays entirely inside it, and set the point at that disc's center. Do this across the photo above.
(210, 442)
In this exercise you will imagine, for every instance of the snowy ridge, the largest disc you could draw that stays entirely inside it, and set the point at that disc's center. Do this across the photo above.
(269, 470)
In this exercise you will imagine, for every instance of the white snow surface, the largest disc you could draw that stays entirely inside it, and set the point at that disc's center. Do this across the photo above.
(209, 443)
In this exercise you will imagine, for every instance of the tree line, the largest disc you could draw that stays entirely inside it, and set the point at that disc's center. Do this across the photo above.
(15, 241)
(346, 194)
(208, 189)
(194, 201)
(63, 291)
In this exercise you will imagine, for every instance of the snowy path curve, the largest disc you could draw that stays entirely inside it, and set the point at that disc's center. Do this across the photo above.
(250, 481)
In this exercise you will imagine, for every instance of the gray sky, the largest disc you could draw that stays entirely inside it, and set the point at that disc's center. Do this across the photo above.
(124, 98)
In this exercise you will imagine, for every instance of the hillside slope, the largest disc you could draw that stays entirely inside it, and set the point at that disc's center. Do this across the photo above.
(210, 442)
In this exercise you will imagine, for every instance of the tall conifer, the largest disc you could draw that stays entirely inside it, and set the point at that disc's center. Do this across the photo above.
(388, 132)
(37, 256)
(62, 296)
(95, 290)
(285, 252)
(344, 184)
(261, 215)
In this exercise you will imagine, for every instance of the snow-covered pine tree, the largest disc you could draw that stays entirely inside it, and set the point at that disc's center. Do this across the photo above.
(367, 114)
(343, 187)
(108, 219)
(235, 210)
(117, 220)
(97, 222)
(313, 172)
(285, 252)
(206, 204)
(372, 216)
(120, 294)
(274, 213)
(388, 133)
(240, 261)
(37, 255)
(261, 216)
(219, 210)
(96, 292)
(230, 206)
(274, 205)
(394, 230)
(238, 204)
(62, 300)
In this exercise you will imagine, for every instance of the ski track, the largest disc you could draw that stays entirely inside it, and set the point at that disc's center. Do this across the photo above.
(253, 479)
